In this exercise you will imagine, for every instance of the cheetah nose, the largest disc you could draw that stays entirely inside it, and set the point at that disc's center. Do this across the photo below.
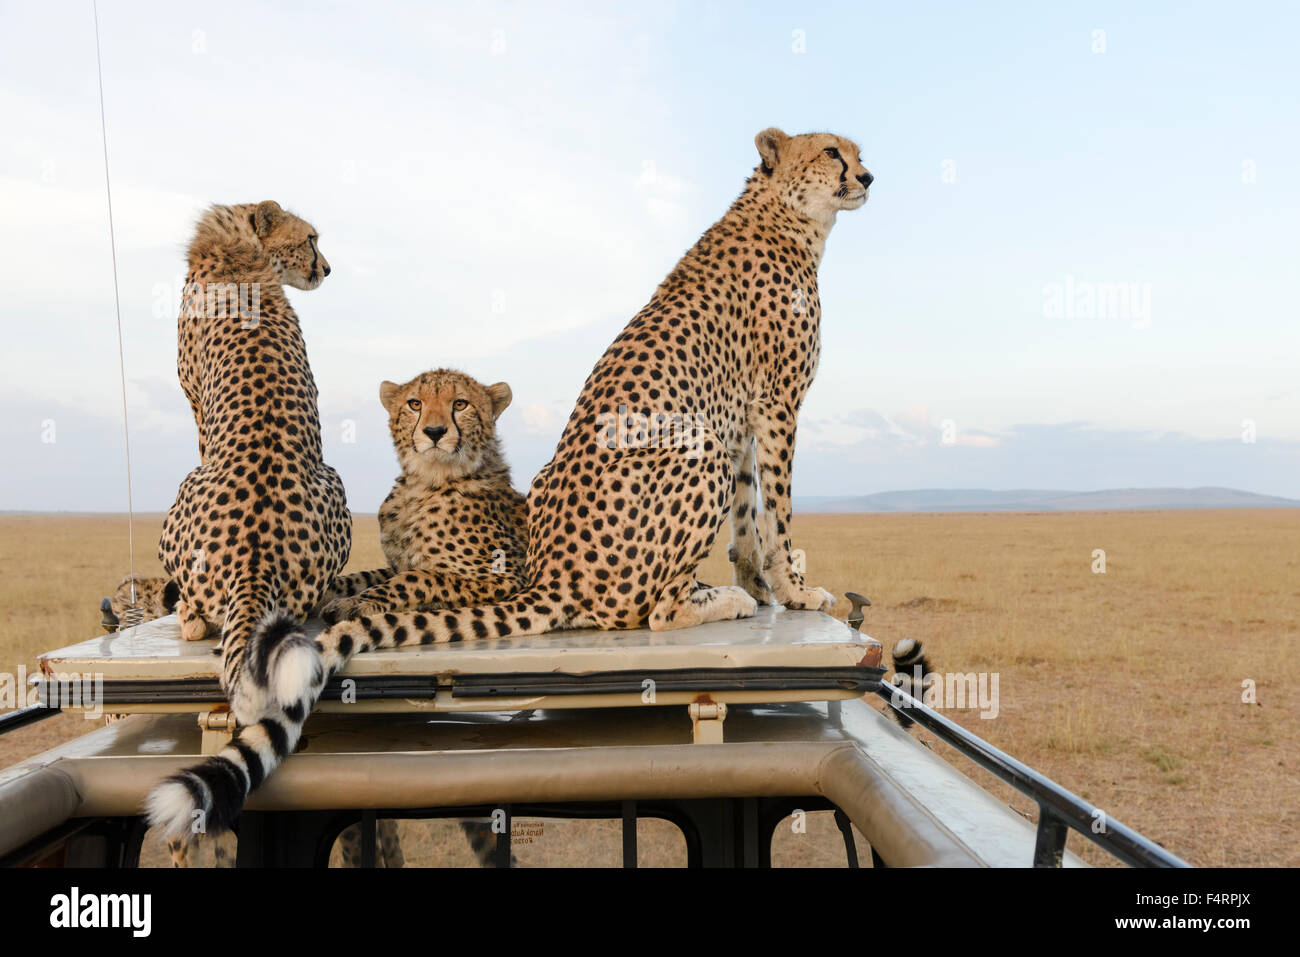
(326, 270)
(865, 178)
(435, 432)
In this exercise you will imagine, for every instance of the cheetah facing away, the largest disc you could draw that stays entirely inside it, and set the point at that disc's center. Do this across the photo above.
(729, 342)
(261, 528)
(453, 529)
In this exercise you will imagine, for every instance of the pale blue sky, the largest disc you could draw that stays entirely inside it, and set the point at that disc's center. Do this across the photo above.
(499, 187)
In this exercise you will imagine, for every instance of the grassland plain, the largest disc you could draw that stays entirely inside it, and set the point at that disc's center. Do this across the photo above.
(1125, 686)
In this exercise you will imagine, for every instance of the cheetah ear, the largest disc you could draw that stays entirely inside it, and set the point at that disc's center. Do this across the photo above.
(501, 396)
(171, 595)
(388, 394)
(771, 142)
(266, 217)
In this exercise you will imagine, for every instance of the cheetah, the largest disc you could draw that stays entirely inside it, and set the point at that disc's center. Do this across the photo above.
(261, 528)
(136, 600)
(722, 355)
(453, 529)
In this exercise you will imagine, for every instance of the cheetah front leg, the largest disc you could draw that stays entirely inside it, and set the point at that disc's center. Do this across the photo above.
(686, 603)
(746, 550)
(776, 434)
(407, 591)
(193, 627)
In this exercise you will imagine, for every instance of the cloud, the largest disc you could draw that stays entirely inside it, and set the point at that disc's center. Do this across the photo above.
(83, 467)
(500, 188)
(538, 418)
(913, 427)
(1046, 455)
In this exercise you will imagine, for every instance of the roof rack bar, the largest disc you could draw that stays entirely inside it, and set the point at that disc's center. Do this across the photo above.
(25, 716)
(1058, 808)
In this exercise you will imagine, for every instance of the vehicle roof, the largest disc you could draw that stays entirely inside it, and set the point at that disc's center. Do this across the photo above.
(910, 804)
(802, 655)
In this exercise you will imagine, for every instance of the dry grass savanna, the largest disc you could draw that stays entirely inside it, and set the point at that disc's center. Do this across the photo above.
(1126, 687)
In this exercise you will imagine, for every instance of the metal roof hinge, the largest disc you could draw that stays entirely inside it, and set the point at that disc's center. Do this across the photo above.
(706, 721)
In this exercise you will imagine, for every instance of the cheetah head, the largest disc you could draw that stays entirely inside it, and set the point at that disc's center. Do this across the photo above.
(290, 244)
(149, 598)
(818, 174)
(443, 422)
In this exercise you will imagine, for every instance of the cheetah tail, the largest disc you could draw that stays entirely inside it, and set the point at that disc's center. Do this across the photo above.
(530, 612)
(912, 673)
(207, 797)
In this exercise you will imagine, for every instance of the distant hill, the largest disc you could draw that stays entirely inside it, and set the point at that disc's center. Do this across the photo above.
(1041, 500)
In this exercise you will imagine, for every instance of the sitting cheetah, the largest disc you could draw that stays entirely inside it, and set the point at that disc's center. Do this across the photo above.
(723, 354)
(261, 528)
(453, 529)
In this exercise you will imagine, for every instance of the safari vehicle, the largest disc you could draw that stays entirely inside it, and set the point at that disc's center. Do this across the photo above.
(724, 731)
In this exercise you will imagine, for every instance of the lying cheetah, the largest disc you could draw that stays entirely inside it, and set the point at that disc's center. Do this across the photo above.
(725, 349)
(452, 528)
(261, 528)
(138, 599)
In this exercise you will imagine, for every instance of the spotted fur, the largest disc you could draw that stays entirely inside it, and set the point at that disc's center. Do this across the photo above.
(261, 528)
(729, 343)
(453, 529)
(138, 599)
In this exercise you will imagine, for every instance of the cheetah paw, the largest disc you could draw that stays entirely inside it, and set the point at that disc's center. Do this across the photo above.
(747, 575)
(343, 609)
(808, 599)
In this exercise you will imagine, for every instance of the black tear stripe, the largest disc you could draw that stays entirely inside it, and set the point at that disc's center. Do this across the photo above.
(844, 173)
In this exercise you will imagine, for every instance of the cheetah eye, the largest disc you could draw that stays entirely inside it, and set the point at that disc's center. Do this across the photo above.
(460, 405)
(832, 152)
(413, 405)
